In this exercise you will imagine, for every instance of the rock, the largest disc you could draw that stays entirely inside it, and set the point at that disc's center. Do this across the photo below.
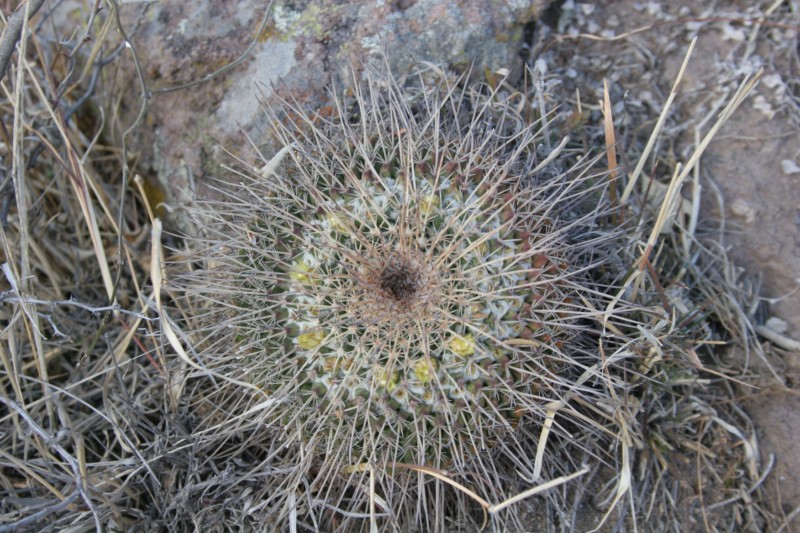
(305, 47)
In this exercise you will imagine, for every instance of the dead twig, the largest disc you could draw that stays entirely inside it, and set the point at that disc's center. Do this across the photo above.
(13, 32)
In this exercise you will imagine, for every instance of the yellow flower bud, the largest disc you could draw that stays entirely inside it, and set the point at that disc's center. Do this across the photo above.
(463, 346)
(428, 204)
(300, 271)
(309, 341)
(386, 379)
(425, 370)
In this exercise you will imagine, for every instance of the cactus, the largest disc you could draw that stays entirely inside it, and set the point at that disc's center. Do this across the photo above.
(406, 289)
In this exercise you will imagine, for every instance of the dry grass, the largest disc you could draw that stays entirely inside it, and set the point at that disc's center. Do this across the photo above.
(109, 418)
(74, 317)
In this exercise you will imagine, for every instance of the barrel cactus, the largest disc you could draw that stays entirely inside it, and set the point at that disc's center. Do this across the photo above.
(411, 285)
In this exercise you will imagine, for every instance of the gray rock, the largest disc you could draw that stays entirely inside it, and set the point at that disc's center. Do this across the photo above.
(305, 47)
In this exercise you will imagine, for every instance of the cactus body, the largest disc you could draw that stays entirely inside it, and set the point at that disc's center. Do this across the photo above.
(406, 289)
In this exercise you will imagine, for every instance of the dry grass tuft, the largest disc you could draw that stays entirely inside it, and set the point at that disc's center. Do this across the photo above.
(74, 322)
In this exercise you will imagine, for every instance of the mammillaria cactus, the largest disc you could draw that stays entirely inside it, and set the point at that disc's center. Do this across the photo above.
(412, 283)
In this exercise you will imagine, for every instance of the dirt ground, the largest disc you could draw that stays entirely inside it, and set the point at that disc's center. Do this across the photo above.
(749, 174)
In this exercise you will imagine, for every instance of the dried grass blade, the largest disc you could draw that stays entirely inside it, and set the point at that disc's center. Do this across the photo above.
(80, 184)
(536, 490)
(672, 195)
(681, 172)
(438, 474)
(624, 480)
(542, 445)
(552, 155)
(611, 141)
(658, 127)
(22, 270)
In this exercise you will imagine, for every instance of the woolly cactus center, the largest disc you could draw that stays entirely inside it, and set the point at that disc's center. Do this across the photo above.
(402, 284)
(400, 279)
